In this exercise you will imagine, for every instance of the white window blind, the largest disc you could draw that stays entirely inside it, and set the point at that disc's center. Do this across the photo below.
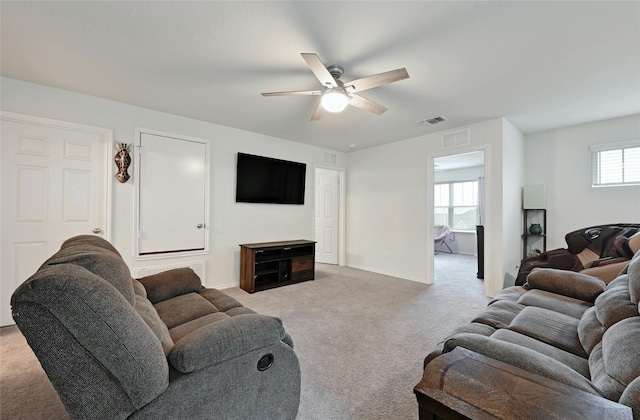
(615, 164)
(456, 204)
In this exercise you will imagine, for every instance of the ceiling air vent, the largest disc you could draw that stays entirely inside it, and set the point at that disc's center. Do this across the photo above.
(330, 158)
(434, 120)
(455, 138)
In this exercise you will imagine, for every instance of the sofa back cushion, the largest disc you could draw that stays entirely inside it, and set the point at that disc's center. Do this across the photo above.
(89, 240)
(590, 330)
(614, 363)
(633, 271)
(150, 316)
(96, 350)
(615, 303)
(100, 261)
(566, 283)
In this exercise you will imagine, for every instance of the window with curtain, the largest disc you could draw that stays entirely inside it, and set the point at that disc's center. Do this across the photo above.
(616, 164)
(456, 204)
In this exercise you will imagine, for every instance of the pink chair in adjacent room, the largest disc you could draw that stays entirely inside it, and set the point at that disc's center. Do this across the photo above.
(442, 233)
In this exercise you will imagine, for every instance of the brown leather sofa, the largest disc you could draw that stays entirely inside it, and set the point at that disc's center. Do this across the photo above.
(600, 251)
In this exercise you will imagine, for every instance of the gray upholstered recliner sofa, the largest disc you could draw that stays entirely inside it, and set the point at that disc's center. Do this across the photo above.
(162, 347)
(566, 326)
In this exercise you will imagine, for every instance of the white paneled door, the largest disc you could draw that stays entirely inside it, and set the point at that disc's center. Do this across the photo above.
(55, 185)
(172, 194)
(326, 216)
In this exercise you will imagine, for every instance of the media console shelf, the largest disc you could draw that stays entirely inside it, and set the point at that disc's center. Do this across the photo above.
(272, 264)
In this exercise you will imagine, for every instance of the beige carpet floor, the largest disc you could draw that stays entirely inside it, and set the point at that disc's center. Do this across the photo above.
(360, 338)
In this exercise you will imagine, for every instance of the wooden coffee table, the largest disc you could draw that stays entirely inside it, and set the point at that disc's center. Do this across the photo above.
(462, 384)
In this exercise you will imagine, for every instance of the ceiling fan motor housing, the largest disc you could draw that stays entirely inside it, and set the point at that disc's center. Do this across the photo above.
(336, 70)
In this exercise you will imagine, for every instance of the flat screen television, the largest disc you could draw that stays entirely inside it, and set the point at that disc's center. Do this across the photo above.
(266, 180)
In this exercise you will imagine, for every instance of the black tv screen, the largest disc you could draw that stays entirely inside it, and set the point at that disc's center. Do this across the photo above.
(266, 180)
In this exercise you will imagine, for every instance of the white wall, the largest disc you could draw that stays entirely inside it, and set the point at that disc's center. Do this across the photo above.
(387, 207)
(561, 160)
(230, 224)
(388, 210)
(513, 180)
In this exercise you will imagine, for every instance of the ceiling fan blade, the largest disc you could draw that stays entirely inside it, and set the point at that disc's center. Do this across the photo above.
(376, 80)
(318, 113)
(366, 104)
(293, 92)
(319, 69)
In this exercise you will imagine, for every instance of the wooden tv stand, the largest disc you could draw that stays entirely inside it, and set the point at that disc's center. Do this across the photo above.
(272, 264)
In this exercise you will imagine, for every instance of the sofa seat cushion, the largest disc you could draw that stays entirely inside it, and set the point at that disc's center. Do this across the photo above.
(184, 308)
(577, 363)
(615, 303)
(554, 302)
(556, 329)
(566, 283)
(615, 362)
(220, 300)
(240, 310)
(499, 314)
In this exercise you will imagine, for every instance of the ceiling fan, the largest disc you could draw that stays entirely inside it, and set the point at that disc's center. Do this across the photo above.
(336, 95)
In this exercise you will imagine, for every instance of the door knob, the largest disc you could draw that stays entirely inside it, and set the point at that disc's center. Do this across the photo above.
(97, 230)
(200, 225)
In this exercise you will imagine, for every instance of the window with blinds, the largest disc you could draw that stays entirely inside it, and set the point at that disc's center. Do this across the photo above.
(456, 204)
(615, 164)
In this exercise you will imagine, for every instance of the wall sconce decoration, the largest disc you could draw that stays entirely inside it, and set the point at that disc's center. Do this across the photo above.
(123, 160)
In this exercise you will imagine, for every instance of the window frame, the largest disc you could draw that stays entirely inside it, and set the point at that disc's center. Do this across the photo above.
(450, 208)
(596, 163)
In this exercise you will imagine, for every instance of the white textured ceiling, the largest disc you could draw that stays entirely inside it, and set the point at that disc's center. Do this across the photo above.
(541, 65)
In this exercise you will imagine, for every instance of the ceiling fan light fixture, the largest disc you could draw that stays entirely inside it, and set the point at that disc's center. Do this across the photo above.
(334, 100)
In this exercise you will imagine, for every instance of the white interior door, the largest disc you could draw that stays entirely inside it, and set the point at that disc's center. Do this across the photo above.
(54, 186)
(326, 225)
(172, 186)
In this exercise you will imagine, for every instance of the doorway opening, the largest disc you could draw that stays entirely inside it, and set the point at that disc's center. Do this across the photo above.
(458, 216)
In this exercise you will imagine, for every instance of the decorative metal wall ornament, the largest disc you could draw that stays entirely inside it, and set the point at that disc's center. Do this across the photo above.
(123, 160)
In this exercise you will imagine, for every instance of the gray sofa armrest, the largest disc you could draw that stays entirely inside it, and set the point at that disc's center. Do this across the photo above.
(566, 283)
(223, 340)
(170, 283)
(523, 358)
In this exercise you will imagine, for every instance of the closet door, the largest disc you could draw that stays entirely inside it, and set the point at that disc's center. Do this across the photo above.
(172, 194)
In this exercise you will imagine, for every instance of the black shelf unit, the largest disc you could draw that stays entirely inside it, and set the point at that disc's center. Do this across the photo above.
(533, 241)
